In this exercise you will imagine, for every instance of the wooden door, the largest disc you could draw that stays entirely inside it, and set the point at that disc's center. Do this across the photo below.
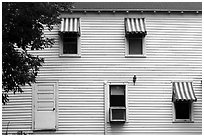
(45, 106)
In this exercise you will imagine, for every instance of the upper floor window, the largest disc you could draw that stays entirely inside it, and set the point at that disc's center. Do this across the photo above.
(70, 43)
(70, 37)
(135, 32)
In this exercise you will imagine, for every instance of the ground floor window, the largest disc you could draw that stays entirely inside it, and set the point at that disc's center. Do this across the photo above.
(182, 111)
(116, 101)
(183, 97)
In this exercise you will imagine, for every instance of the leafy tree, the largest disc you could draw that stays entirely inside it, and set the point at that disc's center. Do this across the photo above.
(22, 29)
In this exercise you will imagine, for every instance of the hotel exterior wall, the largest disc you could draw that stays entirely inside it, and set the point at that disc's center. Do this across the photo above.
(173, 52)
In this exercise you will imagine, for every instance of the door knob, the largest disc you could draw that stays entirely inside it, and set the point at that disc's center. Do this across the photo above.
(53, 109)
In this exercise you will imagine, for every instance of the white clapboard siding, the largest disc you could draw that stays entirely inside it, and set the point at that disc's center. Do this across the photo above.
(17, 113)
(173, 52)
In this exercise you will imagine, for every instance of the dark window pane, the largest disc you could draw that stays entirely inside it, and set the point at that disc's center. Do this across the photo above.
(135, 46)
(182, 110)
(117, 95)
(117, 90)
(68, 34)
(118, 114)
(70, 39)
(69, 43)
(70, 48)
(117, 100)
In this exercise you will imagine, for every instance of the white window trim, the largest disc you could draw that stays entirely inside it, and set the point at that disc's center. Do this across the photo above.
(143, 55)
(78, 55)
(182, 120)
(107, 99)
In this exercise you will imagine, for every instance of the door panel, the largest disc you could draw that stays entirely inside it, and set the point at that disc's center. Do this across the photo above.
(45, 106)
(45, 120)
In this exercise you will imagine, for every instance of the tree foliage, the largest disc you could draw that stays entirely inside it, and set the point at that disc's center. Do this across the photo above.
(22, 29)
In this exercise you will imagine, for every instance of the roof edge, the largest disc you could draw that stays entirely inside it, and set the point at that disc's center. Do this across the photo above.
(135, 10)
(131, 10)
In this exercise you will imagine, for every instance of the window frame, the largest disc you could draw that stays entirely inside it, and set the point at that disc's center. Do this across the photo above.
(107, 100)
(62, 46)
(117, 108)
(78, 55)
(190, 120)
(143, 55)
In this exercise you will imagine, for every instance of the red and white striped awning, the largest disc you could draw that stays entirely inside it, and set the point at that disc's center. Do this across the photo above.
(70, 25)
(183, 91)
(135, 26)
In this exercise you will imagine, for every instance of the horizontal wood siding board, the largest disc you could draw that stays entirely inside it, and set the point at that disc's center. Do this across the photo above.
(17, 113)
(173, 52)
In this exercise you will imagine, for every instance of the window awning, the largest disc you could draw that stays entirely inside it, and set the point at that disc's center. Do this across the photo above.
(183, 91)
(135, 26)
(70, 25)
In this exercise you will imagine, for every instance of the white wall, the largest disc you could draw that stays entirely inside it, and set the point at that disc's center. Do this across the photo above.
(173, 52)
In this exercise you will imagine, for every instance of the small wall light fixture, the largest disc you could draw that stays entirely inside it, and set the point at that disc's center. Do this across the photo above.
(134, 79)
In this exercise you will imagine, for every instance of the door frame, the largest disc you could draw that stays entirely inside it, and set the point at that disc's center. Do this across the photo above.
(33, 102)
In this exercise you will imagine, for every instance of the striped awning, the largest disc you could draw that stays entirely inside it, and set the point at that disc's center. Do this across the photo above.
(135, 26)
(183, 91)
(70, 25)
